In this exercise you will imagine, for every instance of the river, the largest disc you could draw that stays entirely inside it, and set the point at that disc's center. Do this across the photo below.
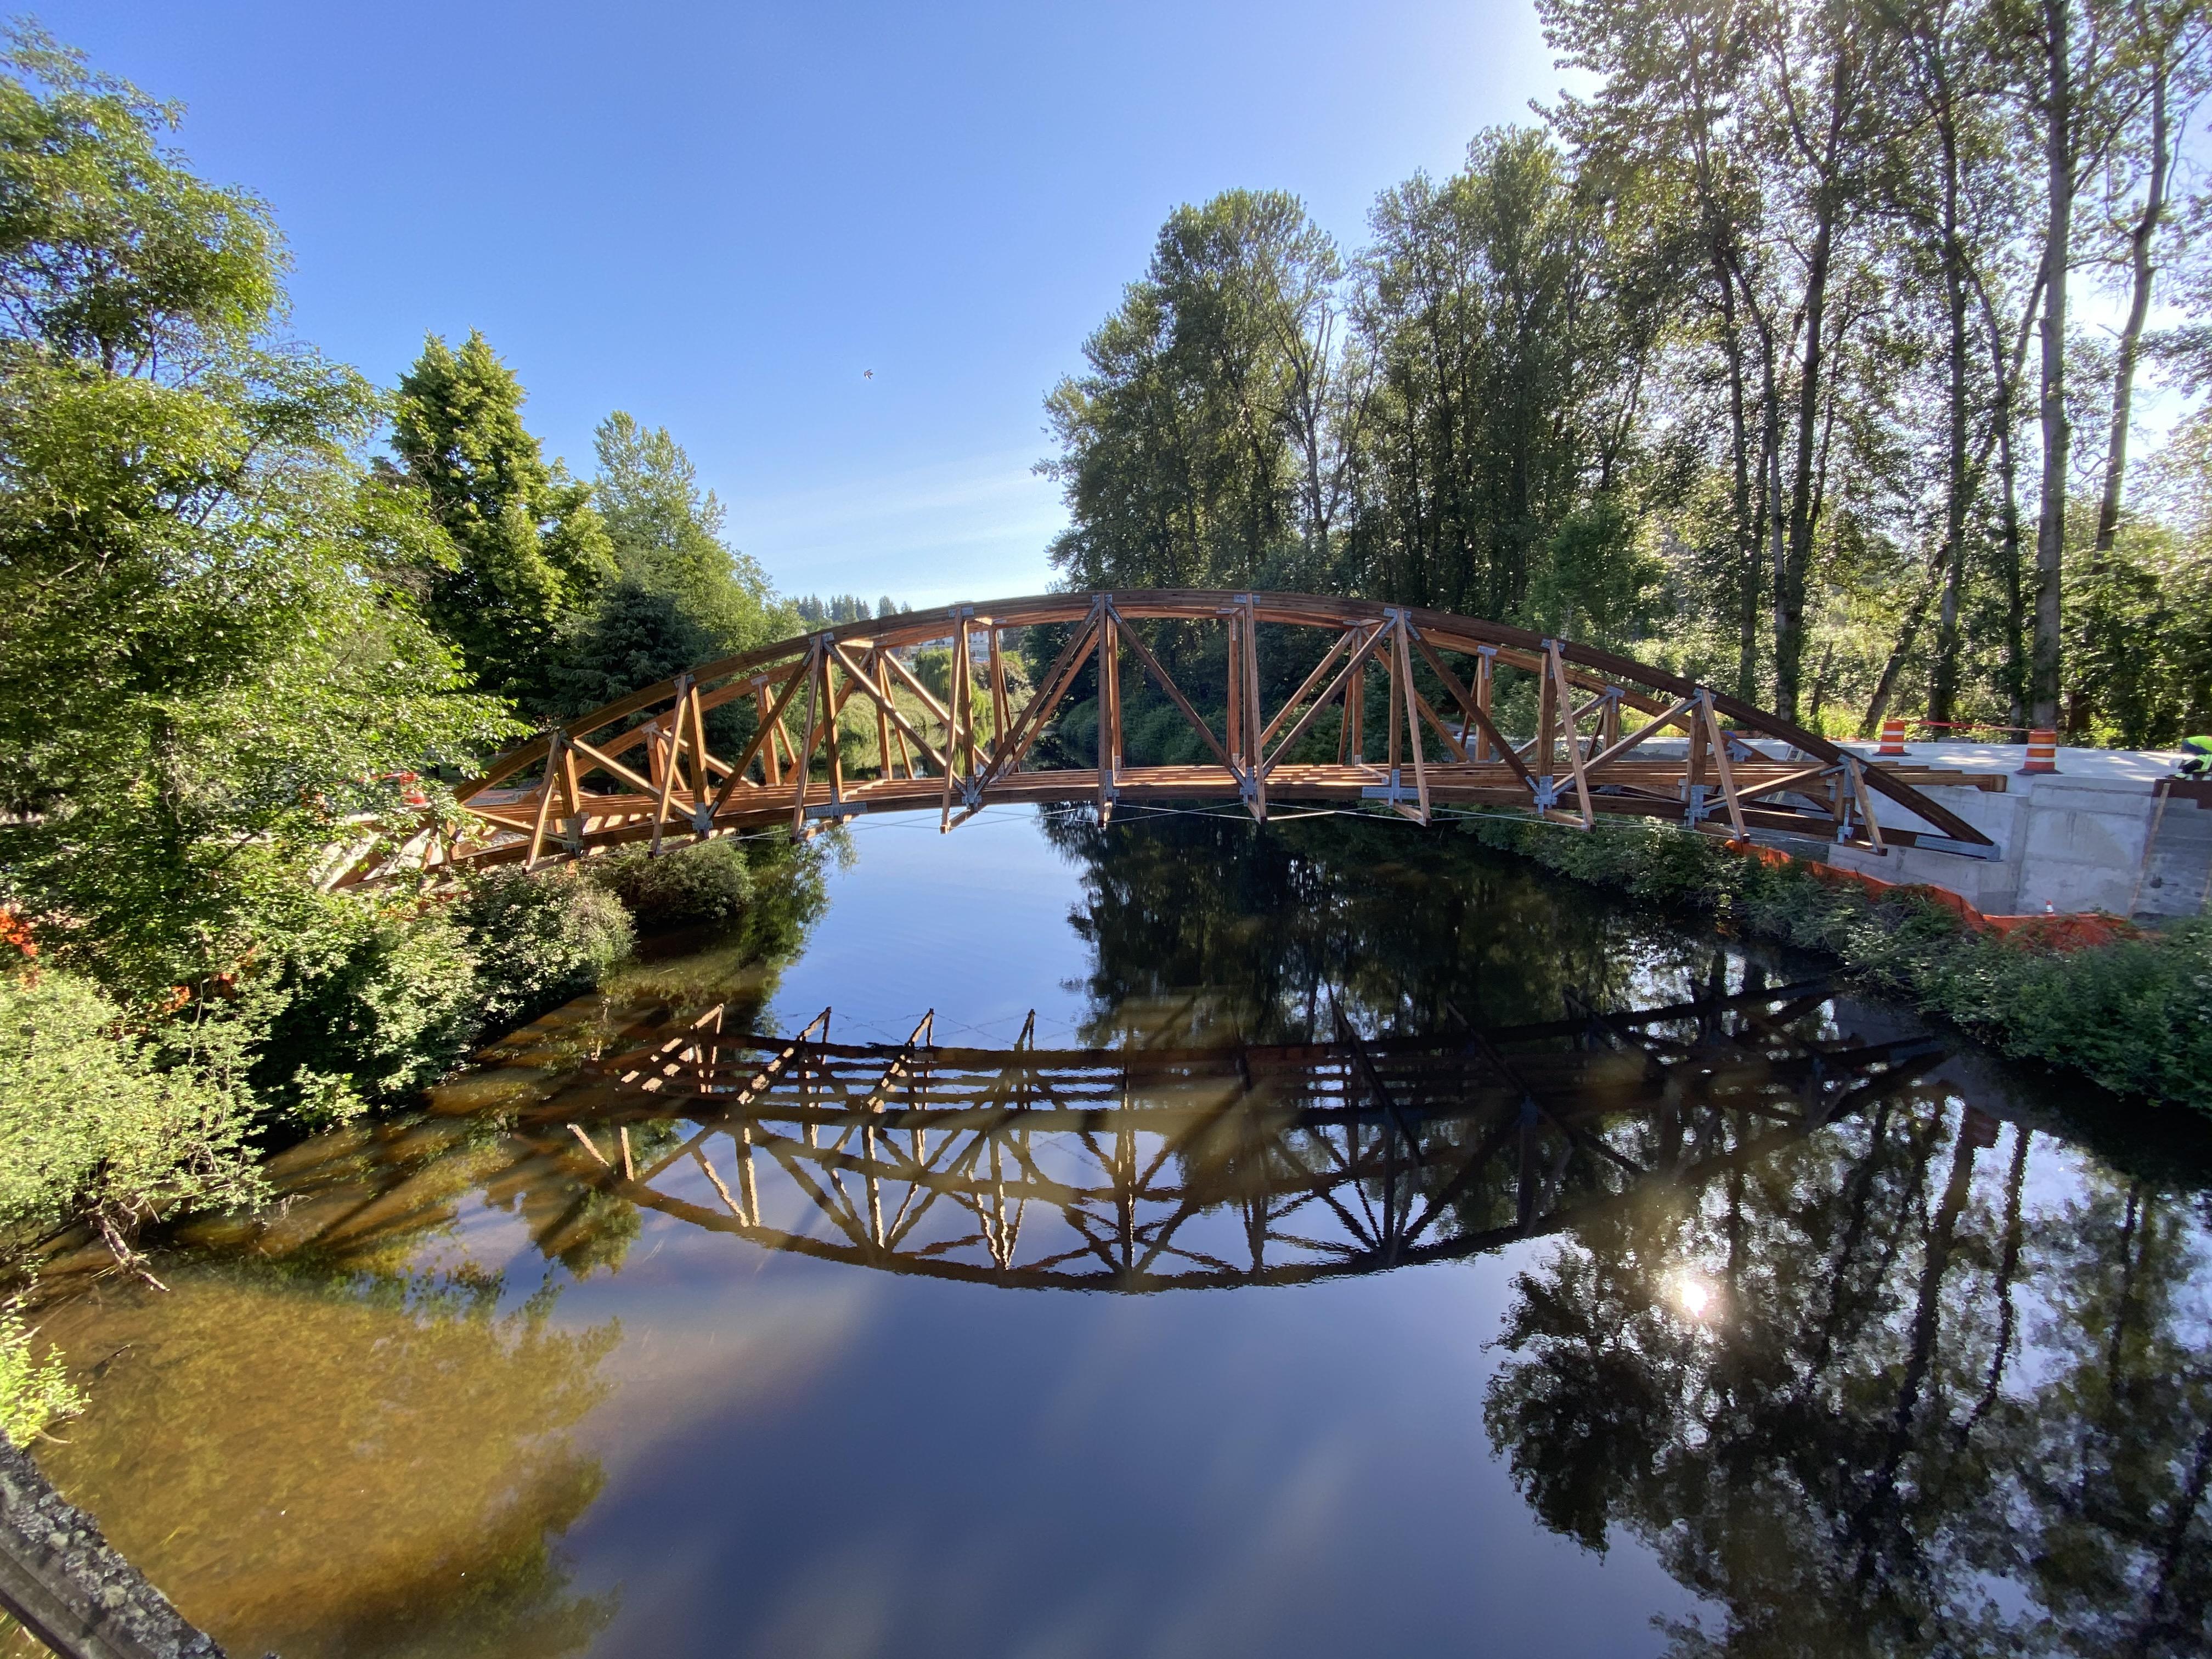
(1932, 1375)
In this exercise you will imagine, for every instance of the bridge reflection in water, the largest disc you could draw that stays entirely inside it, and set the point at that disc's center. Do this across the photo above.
(1142, 1170)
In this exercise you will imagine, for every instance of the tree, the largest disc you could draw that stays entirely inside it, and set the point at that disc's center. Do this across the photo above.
(1175, 453)
(1511, 349)
(533, 555)
(683, 597)
(202, 668)
(668, 536)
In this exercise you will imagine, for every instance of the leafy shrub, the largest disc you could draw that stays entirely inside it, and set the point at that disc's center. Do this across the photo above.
(373, 1001)
(538, 940)
(33, 1392)
(93, 1127)
(2134, 1016)
(707, 885)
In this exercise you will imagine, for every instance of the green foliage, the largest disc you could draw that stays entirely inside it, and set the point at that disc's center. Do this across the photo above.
(370, 1001)
(638, 635)
(537, 940)
(2139, 616)
(111, 254)
(1595, 581)
(836, 610)
(92, 1125)
(1178, 469)
(707, 885)
(532, 555)
(216, 661)
(1507, 336)
(2135, 1016)
(667, 537)
(199, 667)
(34, 1391)
(683, 597)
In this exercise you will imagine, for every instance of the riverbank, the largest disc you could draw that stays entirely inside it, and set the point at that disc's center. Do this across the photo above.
(2133, 1015)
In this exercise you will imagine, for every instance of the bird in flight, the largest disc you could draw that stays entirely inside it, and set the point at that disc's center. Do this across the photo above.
(867, 374)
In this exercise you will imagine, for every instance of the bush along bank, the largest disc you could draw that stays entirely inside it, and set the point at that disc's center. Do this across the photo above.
(117, 1109)
(2134, 1014)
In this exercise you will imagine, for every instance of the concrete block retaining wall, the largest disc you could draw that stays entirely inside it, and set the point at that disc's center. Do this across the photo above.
(2092, 836)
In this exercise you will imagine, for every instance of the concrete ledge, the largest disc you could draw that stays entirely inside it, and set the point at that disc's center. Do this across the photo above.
(2107, 832)
(69, 1589)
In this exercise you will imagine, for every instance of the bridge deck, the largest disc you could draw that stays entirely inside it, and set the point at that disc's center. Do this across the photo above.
(643, 769)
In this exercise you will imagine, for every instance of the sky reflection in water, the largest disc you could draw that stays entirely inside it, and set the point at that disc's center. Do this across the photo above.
(1927, 1380)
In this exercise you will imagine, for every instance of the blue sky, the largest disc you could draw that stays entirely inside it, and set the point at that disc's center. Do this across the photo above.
(719, 216)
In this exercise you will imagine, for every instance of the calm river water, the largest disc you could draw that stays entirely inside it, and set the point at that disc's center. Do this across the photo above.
(1933, 1376)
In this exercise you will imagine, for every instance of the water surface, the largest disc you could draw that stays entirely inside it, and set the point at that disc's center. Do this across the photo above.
(1933, 1376)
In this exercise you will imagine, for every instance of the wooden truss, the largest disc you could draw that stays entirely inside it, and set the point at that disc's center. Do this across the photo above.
(1611, 735)
(1141, 1170)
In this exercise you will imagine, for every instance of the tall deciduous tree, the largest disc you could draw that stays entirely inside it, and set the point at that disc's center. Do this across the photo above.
(200, 668)
(682, 597)
(1175, 446)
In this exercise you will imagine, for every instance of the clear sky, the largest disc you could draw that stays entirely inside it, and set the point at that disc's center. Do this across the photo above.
(719, 216)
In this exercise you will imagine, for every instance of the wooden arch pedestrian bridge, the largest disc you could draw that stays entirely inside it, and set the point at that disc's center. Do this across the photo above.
(1129, 1169)
(1389, 707)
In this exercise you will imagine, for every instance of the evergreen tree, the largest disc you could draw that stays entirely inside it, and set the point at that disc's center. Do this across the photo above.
(533, 553)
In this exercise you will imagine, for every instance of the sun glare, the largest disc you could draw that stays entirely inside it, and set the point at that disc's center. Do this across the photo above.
(1693, 1296)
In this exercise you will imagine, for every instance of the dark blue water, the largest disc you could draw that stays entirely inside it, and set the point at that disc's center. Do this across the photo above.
(1937, 1379)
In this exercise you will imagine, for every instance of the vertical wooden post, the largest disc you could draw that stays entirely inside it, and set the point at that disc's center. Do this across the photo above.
(573, 785)
(874, 667)
(1355, 712)
(771, 762)
(667, 745)
(553, 741)
(1485, 665)
(803, 763)
(883, 685)
(1235, 718)
(1109, 711)
(1002, 714)
(1556, 667)
(1254, 723)
(831, 703)
(954, 703)
(1694, 774)
(1723, 765)
(1390, 666)
(695, 712)
(1547, 721)
(1403, 653)
(963, 674)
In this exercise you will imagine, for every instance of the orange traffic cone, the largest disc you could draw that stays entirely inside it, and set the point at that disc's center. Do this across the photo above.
(1892, 740)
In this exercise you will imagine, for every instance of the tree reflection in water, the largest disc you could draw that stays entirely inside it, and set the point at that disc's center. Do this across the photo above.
(1871, 1371)
(326, 1446)
(1867, 1392)
(1204, 930)
(1921, 1412)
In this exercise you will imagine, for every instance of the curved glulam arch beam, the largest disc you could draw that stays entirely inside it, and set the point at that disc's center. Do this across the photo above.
(640, 769)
